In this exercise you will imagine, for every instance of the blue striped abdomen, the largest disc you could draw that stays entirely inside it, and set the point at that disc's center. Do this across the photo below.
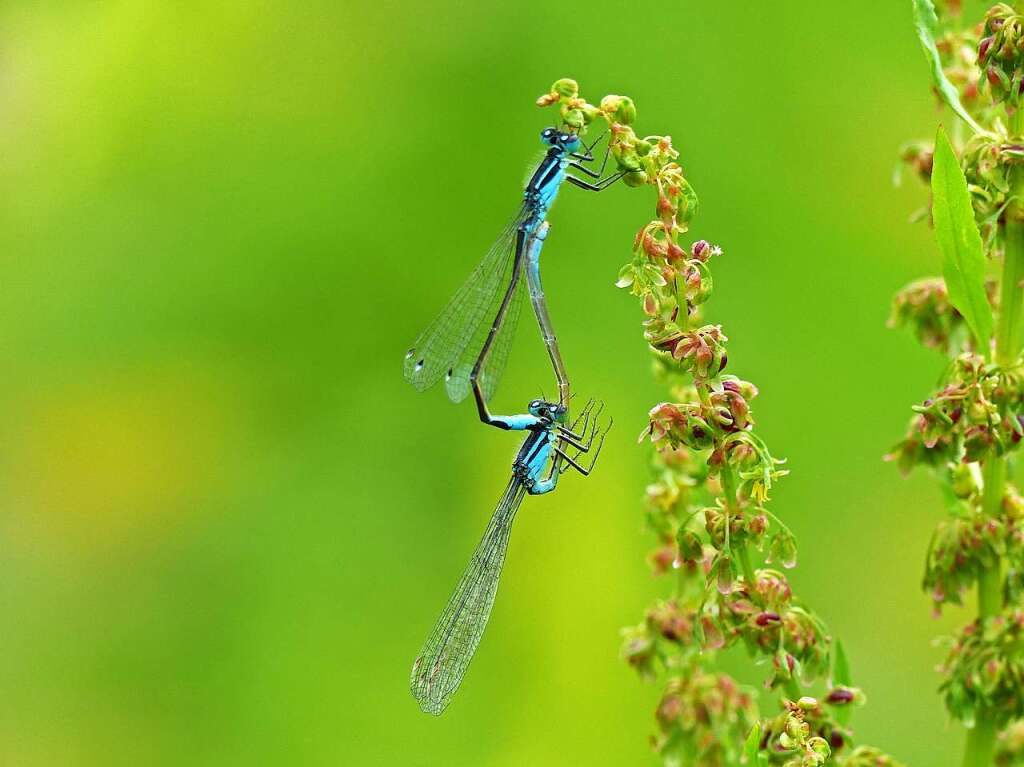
(532, 461)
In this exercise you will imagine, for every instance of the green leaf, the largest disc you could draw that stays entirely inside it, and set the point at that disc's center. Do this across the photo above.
(840, 667)
(963, 261)
(927, 23)
(752, 745)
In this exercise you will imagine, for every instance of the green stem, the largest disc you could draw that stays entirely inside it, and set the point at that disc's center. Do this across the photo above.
(981, 742)
(1011, 309)
(728, 478)
(981, 739)
(742, 553)
(990, 580)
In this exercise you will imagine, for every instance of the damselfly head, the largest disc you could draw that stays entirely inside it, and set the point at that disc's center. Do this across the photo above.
(543, 409)
(567, 142)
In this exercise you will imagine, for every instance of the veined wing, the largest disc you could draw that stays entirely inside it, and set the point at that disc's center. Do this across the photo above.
(457, 384)
(440, 347)
(442, 663)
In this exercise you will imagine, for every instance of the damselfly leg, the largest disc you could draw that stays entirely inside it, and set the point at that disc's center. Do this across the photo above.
(600, 186)
(589, 413)
(583, 416)
(580, 448)
(588, 156)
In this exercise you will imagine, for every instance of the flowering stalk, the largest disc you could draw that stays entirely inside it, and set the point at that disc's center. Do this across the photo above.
(718, 545)
(967, 431)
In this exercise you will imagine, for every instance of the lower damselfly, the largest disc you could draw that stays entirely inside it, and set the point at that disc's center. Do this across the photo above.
(550, 448)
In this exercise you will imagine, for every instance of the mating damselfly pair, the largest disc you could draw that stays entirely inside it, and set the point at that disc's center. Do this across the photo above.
(468, 345)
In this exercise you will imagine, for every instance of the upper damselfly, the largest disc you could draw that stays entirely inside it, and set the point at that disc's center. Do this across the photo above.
(468, 344)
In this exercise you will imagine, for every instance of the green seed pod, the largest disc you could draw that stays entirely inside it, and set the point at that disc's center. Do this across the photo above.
(625, 155)
(696, 433)
(620, 109)
(635, 178)
(797, 729)
(574, 118)
(724, 581)
(566, 87)
(807, 703)
(626, 111)
(690, 547)
(820, 747)
(963, 483)
(643, 147)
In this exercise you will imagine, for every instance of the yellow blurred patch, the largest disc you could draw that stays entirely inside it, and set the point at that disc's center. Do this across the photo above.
(117, 462)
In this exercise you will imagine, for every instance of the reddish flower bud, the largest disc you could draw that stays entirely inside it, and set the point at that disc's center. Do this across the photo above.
(840, 696)
(983, 49)
(662, 559)
(669, 710)
(765, 618)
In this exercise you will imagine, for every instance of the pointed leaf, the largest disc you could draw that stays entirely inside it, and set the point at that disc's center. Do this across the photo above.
(963, 260)
(753, 745)
(840, 667)
(927, 23)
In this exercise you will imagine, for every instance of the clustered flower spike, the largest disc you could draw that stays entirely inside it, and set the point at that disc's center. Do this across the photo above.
(969, 541)
(978, 414)
(1001, 53)
(707, 502)
(966, 431)
(985, 668)
(923, 306)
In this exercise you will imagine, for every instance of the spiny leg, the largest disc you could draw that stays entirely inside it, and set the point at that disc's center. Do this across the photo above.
(589, 157)
(600, 186)
(578, 161)
(576, 440)
(590, 421)
(584, 416)
(570, 460)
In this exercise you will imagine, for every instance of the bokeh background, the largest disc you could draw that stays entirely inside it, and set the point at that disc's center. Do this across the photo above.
(226, 524)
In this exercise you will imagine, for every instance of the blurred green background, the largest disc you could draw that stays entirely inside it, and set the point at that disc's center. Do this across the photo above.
(226, 524)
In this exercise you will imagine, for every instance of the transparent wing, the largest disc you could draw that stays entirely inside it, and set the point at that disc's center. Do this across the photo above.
(457, 384)
(441, 664)
(440, 347)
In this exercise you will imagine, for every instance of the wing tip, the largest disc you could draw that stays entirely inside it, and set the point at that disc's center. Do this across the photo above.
(427, 704)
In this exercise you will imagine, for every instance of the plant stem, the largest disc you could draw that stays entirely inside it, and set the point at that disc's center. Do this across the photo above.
(990, 586)
(1011, 309)
(747, 569)
(981, 742)
(742, 554)
(981, 739)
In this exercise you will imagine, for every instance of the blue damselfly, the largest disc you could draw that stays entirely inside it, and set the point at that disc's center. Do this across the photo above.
(442, 663)
(468, 344)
